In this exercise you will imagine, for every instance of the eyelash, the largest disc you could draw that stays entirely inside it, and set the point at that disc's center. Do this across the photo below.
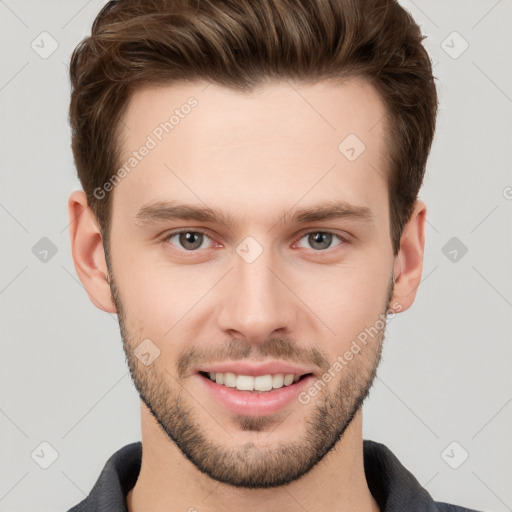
(166, 238)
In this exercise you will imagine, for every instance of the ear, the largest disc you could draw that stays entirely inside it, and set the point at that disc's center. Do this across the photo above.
(88, 253)
(408, 264)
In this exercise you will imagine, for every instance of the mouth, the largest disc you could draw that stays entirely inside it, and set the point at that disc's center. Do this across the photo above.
(258, 384)
(254, 395)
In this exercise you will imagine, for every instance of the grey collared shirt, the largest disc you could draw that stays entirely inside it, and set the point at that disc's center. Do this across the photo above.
(394, 488)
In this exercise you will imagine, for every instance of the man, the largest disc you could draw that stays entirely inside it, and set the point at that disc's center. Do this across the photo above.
(250, 211)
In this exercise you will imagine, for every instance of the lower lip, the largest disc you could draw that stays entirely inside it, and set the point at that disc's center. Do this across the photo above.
(249, 403)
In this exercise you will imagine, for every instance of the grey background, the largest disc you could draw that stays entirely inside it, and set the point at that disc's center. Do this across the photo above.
(447, 367)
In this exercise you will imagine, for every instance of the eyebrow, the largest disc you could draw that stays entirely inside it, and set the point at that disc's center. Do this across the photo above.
(159, 211)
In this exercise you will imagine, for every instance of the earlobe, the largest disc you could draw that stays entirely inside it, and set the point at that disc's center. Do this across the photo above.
(88, 253)
(408, 264)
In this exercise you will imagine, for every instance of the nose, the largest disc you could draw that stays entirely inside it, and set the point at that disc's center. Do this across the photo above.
(256, 300)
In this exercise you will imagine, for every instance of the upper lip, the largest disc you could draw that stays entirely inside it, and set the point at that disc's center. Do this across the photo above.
(254, 369)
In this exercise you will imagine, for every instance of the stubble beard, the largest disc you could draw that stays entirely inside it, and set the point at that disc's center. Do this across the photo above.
(254, 465)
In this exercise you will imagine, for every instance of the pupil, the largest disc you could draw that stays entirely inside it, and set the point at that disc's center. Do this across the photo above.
(189, 239)
(321, 238)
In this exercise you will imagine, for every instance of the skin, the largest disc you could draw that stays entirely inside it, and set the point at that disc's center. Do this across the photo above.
(254, 156)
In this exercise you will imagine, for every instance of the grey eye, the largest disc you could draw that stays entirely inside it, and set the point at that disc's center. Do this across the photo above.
(320, 240)
(189, 240)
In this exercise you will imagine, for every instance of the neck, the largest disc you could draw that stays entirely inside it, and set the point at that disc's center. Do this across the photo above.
(166, 477)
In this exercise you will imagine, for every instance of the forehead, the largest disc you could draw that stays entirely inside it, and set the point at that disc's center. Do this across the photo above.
(281, 142)
(225, 115)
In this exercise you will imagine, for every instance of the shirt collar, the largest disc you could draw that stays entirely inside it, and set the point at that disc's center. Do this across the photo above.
(391, 484)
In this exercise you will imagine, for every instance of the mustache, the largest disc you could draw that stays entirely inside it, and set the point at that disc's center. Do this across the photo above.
(281, 348)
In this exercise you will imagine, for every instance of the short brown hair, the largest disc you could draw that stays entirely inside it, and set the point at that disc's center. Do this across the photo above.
(240, 44)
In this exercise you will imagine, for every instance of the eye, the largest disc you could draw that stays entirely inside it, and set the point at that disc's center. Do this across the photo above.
(188, 239)
(192, 241)
(321, 240)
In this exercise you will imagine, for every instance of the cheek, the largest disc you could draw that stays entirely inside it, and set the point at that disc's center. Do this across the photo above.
(160, 302)
(348, 301)
(153, 289)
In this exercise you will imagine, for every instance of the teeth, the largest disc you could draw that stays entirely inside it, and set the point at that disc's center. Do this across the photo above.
(245, 383)
(229, 379)
(288, 379)
(278, 381)
(263, 382)
(250, 383)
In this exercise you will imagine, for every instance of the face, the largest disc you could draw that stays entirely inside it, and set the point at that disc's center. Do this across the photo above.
(271, 275)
